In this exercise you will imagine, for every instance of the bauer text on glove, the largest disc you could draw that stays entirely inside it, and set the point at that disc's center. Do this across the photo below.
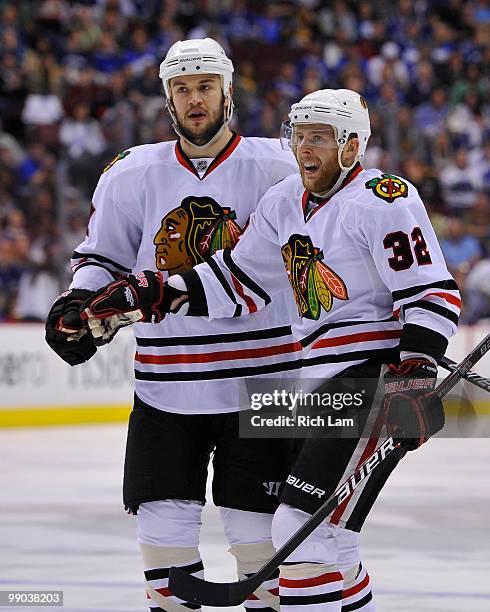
(413, 411)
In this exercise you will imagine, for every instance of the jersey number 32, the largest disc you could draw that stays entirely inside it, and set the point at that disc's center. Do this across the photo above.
(402, 258)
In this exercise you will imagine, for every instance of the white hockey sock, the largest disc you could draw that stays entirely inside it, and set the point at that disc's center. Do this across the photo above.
(157, 563)
(249, 534)
(357, 595)
(250, 557)
(168, 535)
(310, 587)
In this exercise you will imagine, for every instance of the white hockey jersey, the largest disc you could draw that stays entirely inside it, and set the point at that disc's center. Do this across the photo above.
(362, 266)
(154, 209)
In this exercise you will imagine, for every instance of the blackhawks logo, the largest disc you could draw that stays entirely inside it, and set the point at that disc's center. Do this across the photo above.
(314, 283)
(192, 232)
(118, 157)
(388, 187)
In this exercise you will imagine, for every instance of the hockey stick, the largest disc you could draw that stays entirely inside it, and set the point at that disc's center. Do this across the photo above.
(223, 594)
(472, 377)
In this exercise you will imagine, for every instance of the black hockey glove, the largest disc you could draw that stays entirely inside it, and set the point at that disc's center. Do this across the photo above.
(412, 410)
(66, 333)
(141, 297)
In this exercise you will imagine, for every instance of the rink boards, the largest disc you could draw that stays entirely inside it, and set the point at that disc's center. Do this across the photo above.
(38, 388)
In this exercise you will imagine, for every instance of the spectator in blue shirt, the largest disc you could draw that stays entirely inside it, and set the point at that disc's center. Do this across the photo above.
(107, 55)
(430, 116)
(461, 251)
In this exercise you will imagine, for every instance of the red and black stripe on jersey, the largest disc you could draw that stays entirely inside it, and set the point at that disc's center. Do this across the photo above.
(257, 334)
(222, 280)
(197, 303)
(231, 356)
(243, 278)
(323, 329)
(82, 260)
(445, 292)
(440, 298)
(219, 374)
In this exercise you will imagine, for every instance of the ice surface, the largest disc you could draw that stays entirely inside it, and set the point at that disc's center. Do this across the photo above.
(426, 543)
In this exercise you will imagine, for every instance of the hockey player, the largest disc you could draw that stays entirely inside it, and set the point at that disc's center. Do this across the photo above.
(168, 207)
(371, 288)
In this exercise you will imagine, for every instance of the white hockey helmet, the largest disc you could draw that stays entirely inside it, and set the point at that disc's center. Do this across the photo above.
(344, 109)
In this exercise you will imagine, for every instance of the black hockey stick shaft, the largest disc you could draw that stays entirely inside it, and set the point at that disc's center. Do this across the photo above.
(224, 594)
(472, 377)
(464, 367)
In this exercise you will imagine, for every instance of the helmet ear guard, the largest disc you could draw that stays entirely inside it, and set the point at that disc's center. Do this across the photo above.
(285, 135)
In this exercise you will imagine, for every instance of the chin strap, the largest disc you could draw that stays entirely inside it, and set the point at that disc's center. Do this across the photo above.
(344, 171)
(227, 115)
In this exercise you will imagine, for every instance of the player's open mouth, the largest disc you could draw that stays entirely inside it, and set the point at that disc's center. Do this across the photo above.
(310, 168)
(196, 115)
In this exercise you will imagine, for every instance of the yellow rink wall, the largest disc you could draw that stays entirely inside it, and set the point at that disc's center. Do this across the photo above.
(38, 389)
(44, 416)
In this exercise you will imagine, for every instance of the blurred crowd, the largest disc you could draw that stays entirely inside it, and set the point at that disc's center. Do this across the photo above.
(79, 83)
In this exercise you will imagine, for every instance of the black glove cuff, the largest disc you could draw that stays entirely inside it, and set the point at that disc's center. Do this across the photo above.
(418, 339)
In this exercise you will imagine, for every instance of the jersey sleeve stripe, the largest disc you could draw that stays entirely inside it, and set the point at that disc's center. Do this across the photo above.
(449, 297)
(435, 308)
(244, 278)
(452, 304)
(402, 294)
(251, 305)
(100, 258)
(85, 264)
(223, 282)
(198, 305)
(355, 338)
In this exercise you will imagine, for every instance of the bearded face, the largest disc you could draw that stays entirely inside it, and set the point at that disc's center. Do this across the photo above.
(198, 102)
